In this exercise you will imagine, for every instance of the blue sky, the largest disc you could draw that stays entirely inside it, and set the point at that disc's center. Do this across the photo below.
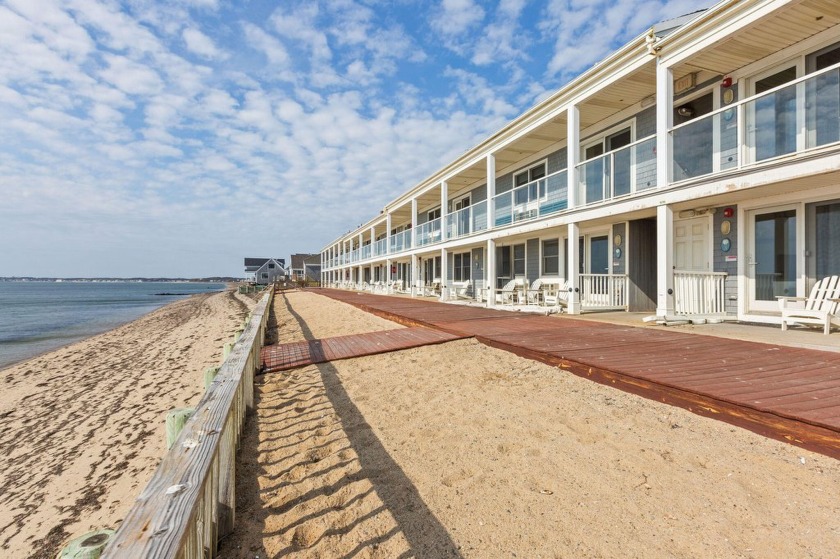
(156, 138)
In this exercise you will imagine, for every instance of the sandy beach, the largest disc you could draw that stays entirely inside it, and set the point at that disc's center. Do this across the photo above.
(461, 450)
(82, 428)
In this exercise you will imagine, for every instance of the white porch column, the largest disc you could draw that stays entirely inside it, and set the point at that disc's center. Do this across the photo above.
(415, 274)
(388, 236)
(664, 122)
(573, 255)
(491, 191)
(413, 224)
(490, 272)
(372, 245)
(572, 155)
(444, 274)
(664, 261)
(444, 208)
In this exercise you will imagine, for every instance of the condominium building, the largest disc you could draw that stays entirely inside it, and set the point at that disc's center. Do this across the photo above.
(695, 172)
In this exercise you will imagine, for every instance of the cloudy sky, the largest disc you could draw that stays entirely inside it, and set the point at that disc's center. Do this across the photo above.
(174, 138)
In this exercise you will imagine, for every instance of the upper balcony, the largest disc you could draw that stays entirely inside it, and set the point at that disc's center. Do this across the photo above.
(782, 121)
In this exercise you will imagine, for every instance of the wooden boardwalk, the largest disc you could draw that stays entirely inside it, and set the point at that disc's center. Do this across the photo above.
(781, 392)
(279, 357)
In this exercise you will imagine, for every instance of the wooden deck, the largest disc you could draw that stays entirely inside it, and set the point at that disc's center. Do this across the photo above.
(785, 393)
(279, 357)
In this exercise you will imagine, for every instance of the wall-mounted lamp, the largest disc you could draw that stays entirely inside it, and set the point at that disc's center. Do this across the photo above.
(686, 111)
(726, 81)
(728, 212)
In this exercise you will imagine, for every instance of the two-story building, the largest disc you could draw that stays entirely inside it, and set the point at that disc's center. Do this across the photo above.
(693, 172)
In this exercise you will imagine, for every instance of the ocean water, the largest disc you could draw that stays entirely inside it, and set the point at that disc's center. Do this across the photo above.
(36, 317)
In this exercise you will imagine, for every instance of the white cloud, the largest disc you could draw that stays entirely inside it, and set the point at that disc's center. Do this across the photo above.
(200, 44)
(454, 18)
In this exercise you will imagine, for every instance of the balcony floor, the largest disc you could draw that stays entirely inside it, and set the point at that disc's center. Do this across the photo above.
(786, 387)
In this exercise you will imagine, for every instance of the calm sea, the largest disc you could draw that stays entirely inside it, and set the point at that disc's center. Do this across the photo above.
(36, 317)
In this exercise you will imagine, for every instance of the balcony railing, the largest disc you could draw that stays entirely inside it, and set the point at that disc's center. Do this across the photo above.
(380, 247)
(800, 115)
(466, 221)
(699, 293)
(603, 291)
(365, 252)
(618, 173)
(429, 233)
(401, 241)
(536, 199)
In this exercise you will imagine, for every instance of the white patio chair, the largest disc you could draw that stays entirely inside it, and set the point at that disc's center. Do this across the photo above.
(507, 294)
(533, 294)
(556, 294)
(461, 289)
(820, 307)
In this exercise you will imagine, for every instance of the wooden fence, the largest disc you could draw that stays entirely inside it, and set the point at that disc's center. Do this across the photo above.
(190, 501)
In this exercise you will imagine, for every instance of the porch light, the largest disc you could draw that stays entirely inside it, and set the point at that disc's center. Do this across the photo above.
(728, 212)
(685, 111)
(726, 81)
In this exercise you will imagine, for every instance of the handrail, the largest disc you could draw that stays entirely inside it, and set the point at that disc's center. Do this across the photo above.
(190, 501)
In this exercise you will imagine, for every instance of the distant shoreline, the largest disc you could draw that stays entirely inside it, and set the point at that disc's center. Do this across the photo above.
(26, 279)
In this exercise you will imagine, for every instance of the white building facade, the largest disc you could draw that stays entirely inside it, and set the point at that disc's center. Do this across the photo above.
(693, 173)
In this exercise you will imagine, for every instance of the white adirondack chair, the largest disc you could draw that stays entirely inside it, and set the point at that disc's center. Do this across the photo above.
(534, 294)
(507, 294)
(821, 306)
(461, 289)
(557, 294)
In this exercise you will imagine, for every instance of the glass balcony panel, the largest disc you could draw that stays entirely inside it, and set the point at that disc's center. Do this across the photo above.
(503, 208)
(822, 106)
(771, 123)
(479, 216)
(429, 233)
(555, 199)
(622, 177)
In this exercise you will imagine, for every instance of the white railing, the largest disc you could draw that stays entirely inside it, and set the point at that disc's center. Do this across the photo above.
(603, 291)
(401, 241)
(429, 233)
(617, 173)
(699, 293)
(190, 502)
(800, 115)
(538, 198)
(466, 221)
(365, 252)
(380, 247)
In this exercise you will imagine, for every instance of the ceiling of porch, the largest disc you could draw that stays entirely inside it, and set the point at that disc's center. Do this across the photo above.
(764, 37)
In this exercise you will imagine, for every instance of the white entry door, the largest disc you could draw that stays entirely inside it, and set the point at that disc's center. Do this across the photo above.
(692, 251)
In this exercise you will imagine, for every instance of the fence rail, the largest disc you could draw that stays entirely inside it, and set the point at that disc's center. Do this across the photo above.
(699, 293)
(190, 501)
(603, 291)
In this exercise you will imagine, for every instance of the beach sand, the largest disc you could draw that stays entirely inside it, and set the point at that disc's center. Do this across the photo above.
(82, 428)
(461, 450)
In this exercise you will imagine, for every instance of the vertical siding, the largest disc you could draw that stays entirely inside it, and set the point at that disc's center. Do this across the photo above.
(619, 265)
(532, 259)
(720, 263)
(641, 265)
(477, 272)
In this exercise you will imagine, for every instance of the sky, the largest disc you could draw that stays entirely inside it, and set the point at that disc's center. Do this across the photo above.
(174, 138)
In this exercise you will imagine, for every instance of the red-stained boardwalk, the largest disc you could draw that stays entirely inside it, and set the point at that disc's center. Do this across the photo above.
(786, 393)
(287, 356)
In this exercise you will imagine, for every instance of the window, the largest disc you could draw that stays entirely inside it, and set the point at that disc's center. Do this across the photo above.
(551, 258)
(265, 275)
(434, 214)
(462, 267)
(271, 266)
(519, 260)
(529, 175)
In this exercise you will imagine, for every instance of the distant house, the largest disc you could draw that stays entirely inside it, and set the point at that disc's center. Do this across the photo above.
(306, 266)
(266, 270)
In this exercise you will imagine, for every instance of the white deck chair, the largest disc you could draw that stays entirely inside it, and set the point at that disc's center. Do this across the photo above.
(820, 306)
(461, 289)
(534, 294)
(507, 294)
(556, 294)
